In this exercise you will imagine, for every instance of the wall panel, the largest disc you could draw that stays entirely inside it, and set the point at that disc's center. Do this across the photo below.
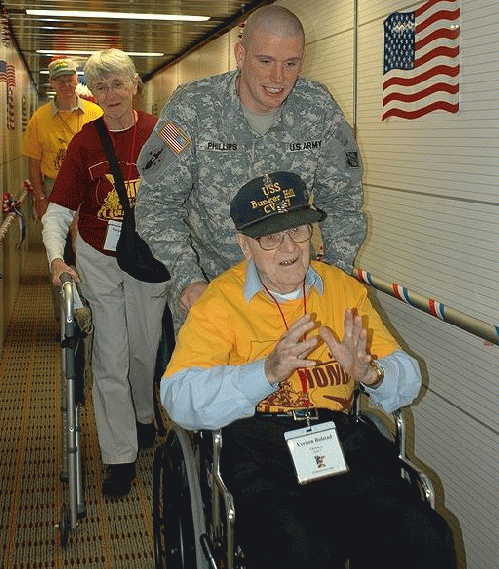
(213, 57)
(432, 200)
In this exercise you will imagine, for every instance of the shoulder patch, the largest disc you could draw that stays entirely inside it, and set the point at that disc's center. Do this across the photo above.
(174, 138)
(353, 159)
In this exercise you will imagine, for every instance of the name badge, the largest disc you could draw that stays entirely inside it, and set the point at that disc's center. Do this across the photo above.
(316, 452)
(112, 235)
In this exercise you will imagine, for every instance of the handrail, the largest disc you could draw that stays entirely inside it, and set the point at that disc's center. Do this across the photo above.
(7, 222)
(437, 309)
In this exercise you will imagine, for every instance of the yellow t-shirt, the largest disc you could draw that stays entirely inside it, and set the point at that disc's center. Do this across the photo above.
(48, 133)
(224, 329)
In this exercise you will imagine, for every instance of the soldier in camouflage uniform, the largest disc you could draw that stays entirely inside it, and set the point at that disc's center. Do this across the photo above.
(215, 134)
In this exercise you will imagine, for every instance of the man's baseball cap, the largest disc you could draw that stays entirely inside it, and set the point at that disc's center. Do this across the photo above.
(61, 67)
(272, 203)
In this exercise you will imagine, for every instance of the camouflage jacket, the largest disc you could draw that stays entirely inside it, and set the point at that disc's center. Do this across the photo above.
(203, 150)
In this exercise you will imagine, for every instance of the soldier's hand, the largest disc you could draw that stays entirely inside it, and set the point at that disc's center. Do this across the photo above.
(190, 294)
(291, 351)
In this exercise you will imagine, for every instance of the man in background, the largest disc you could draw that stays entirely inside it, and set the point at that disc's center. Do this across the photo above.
(52, 127)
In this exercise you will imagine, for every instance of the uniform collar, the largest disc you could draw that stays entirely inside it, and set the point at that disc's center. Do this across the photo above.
(253, 285)
(234, 110)
(55, 109)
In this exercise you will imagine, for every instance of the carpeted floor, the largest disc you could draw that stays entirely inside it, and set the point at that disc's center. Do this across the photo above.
(114, 534)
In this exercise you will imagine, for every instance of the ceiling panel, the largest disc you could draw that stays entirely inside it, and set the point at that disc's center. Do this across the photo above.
(173, 39)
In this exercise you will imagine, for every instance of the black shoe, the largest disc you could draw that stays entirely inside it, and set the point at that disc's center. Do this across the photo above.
(146, 434)
(118, 479)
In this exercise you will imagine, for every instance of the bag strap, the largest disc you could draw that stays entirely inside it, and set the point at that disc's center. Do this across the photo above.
(119, 182)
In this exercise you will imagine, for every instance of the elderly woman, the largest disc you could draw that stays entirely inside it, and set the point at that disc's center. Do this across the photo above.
(126, 312)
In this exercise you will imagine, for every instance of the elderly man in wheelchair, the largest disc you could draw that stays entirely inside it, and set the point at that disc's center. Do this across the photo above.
(271, 354)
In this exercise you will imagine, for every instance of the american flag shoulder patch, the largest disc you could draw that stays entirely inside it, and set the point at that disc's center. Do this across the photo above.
(174, 138)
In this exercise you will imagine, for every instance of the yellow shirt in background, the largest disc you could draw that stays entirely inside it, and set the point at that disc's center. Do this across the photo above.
(50, 130)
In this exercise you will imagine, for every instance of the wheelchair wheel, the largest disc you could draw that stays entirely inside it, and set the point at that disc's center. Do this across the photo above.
(174, 545)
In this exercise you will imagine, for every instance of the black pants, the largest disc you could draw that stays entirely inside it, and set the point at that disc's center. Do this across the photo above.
(368, 515)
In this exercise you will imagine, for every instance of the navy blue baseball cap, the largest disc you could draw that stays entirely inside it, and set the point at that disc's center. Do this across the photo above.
(272, 203)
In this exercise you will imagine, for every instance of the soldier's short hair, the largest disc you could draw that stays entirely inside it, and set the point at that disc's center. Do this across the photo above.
(274, 19)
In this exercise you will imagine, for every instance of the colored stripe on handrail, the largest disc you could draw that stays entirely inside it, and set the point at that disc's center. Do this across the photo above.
(7, 222)
(437, 309)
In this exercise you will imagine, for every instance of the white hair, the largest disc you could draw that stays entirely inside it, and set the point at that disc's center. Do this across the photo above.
(108, 62)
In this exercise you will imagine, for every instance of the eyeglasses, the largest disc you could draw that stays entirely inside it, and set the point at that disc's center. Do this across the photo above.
(117, 86)
(296, 234)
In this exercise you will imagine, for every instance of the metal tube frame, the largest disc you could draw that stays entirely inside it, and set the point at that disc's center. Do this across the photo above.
(71, 428)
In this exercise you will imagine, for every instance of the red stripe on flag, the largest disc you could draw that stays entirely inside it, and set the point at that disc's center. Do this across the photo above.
(437, 34)
(453, 89)
(428, 5)
(441, 15)
(450, 52)
(438, 70)
(437, 106)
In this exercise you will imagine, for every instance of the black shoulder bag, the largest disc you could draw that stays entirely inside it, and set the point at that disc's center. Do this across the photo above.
(132, 253)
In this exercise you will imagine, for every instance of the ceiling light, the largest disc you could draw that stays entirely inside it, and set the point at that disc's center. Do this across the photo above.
(119, 15)
(90, 52)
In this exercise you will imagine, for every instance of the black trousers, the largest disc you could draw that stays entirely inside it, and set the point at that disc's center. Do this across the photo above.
(368, 515)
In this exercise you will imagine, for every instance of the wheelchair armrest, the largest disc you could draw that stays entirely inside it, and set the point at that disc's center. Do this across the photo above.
(227, 496)
(417, 476)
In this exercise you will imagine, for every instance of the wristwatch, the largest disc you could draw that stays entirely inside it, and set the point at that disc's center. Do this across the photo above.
(380, 374)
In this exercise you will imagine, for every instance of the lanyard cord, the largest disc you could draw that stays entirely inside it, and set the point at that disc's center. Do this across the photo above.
(279, 306)
(133, 147)
(299, 371)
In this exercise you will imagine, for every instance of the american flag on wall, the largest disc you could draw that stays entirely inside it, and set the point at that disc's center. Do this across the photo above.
(7, 73)
(11, 75)
(421, 60)
(3, 71)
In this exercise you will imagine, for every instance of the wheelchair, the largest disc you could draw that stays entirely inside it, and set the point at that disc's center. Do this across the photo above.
(193, 511)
